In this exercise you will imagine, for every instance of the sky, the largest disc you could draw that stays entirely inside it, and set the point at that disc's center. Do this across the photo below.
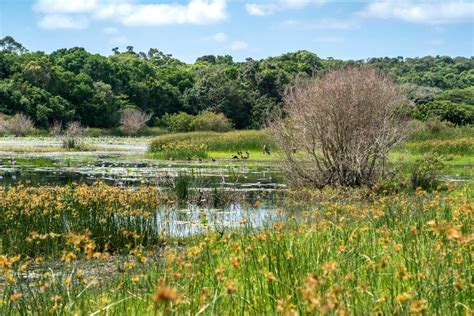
(187, 29)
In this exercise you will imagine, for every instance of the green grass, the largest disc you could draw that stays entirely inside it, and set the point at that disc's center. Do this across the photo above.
(460, 146)
(444, 133)
(251, 140)
(401, 254)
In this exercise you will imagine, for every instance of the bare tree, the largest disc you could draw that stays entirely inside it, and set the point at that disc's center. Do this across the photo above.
(340, 127)
(20, 124)
(133, 120)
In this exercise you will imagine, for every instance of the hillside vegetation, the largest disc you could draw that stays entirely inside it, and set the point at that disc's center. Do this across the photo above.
(75, 85)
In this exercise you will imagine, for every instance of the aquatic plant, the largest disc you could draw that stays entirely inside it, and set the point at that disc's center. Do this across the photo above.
(230, 141)
(395, 254)
(36, 221)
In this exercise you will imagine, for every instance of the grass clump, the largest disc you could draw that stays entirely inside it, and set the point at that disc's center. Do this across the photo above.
(251, 140)
(396, 254)
(42, 221)
(461, 146)
(438, 130)
(179, 150)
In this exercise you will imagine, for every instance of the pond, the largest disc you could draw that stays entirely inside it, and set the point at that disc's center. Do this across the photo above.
(123, 163)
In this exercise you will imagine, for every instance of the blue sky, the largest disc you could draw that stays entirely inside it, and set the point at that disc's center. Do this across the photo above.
(188, 29)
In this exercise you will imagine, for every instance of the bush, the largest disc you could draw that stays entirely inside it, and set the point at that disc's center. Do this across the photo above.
(456, 113)
(20, 125)
(3, 124)
(179, 122)
(206, 121)
(343, 126)
(209, 121)
(72, 136)
(56, 128)
(426, 172)
(133, 120)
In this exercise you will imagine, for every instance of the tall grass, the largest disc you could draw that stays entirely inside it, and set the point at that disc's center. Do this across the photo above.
(46, 221)
(401, 254)
(444, 132)
(459, 146)
(230, 141)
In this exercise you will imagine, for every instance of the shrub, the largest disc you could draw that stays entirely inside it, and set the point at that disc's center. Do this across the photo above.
(180, 122)
(133, 120)
(426, 172)
(72, 136)
(3, 124)
(20, 125)
(206, 121)
(56, 128)
(209, 121)
(343, 124)
(459, 114)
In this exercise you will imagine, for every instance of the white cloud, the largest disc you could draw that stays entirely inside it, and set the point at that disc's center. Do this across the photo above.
(272, 6)
(329, 40)
(131, 12)
(323, 24)
(239, 45)
(58, 21)
(257, 9)
(429, 12)
(219, 37)
(65, 6)
(194, 12)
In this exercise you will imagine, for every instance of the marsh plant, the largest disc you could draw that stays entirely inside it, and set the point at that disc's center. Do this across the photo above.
(404, 254)
(182, 184)
(340, 127)
(3, 124)
(179, 150)
(72, 136)
(133, 120)
(426, 172)
(56, 129)
(20, 124)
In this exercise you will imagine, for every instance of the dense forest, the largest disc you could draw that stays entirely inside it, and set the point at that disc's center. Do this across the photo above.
(73, 84)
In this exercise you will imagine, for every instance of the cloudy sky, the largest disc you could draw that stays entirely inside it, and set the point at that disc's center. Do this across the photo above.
(188, 29)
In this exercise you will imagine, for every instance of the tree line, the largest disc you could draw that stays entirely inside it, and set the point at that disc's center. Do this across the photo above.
(76, 85)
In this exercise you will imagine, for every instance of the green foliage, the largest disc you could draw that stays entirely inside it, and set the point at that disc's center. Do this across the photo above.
(182, 184)
(75, 85)
(178, 150)
(230, 141)
(426, 172)
(437, 130)
(209, 121)
(457, 113)
(205, 121)
(460, 146)
(179, 122)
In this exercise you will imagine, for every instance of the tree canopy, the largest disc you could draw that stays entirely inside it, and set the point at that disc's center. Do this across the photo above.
(76, 85)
